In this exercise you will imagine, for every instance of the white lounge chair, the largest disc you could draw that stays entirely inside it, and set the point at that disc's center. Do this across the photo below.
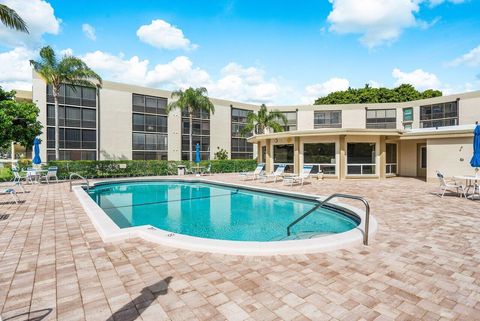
(278, 173)
(255, 174)
(51, 174)
(450, 186)
(305, 174)
(11, 192)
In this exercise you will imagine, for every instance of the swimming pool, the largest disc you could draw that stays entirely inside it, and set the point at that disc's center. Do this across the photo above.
(216, 212)
(209, 216)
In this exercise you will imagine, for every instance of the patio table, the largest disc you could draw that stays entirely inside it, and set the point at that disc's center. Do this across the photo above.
(470, 181)
(37, 175)
(198, 169)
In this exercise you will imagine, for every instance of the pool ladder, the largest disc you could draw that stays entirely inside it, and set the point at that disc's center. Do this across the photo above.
(321, 203)
(85, 181)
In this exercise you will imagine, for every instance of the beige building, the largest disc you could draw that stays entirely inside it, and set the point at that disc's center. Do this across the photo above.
(120, 121)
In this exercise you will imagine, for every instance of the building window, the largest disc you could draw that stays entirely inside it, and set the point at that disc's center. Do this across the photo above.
(264, 154)
(391, 159)
(149, 124)
(408, 114)
(328, 119)
(200, 134)
(439, 115)
(291, 121)
(77, 120)
(361, 158)
(381, 118)
(240, 148)
(283, 154)
(321, 156)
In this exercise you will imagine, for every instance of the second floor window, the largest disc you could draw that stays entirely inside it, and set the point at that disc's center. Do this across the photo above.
(291, 121)
(439, 115)
(328, 119)
(381, 118)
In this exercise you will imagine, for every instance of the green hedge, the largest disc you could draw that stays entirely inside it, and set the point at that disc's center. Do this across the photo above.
(127, 168)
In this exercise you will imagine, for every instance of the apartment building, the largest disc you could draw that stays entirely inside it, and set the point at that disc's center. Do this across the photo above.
(120, 121)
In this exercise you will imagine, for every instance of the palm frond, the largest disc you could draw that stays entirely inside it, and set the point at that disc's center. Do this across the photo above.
(11, 19)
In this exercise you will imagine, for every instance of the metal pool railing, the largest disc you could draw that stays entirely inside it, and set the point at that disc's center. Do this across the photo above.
(321, 203)
(72, 175)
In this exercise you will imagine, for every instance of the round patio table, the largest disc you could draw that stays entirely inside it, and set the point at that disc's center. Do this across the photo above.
(198, 169)
(470, 181)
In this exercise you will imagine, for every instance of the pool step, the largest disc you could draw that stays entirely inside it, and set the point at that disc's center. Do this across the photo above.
(303, 236)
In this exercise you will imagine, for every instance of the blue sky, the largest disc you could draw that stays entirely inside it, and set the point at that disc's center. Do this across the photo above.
(277, 52)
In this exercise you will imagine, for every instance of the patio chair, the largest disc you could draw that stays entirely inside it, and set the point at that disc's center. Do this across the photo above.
(450, 185)
(277, 174)
(305, 174)
(208, 170)
(255, 174)
(16, 175)
(51, 173)
(32, 175)
(11, 192)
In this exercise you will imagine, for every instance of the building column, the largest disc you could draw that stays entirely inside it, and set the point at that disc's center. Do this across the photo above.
(259, 153)
(296, 156)
(13, 152)
(268, 161)
(383, 158)
(342, 164)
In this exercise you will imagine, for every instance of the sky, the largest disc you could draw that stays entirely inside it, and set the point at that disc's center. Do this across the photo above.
(273, 52)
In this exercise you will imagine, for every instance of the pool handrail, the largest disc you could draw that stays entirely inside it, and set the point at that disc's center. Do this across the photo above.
(79, 176)
(321, 203)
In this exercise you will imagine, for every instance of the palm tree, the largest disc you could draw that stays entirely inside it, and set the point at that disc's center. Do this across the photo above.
(11, 19)
(191, 100)
(69, 70)
(259, 122)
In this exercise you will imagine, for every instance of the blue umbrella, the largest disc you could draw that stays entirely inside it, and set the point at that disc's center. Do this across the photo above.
(197, 153)
(36, 150)
(475, 162)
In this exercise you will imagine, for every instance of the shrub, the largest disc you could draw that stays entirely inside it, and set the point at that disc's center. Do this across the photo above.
(129, 168)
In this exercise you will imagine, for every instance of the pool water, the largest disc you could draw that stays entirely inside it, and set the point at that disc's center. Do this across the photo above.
(215, 211)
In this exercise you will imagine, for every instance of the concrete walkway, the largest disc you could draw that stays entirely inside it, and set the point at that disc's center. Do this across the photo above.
(423, 264)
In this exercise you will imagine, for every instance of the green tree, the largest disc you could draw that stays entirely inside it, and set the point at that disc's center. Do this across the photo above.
(259, 122)
(18, 120)
(11, 19)
(369, 95)
(192, 100)
(69, 70)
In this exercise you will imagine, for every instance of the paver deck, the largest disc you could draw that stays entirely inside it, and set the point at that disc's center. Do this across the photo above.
(423, 264)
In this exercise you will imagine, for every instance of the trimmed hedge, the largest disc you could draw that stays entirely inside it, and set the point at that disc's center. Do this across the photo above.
(127, 168)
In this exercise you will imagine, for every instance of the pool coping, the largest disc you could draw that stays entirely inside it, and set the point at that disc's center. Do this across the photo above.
(110, 232)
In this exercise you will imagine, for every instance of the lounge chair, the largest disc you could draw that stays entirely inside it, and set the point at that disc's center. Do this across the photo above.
(255, 174)
(16, 175)
(277, 174)
(11, 192)
(450, 186)
(51, 173)
(305, 174)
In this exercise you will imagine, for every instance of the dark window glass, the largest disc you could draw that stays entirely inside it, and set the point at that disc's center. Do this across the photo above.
(73, 117)
(138, 141)
(291, 121)
(391, 151)
(89, 117)
(138, 122)
(240, 148)
(51, 137)
(89, 138)
(150, 123)
(328, 119)
(51, 115)
(381, 118)
(283, 153)
(89, 97)
(361, 153)
(439, 115)
(320, 153)
(408, 114)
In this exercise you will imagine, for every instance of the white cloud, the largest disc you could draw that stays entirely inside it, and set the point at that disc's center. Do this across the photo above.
(418, 78)
(89, 31)
(471, 58)
(378, 21)
(163, 35)
(15, 70)
(374, 84)
(39, 17)
(315, 91)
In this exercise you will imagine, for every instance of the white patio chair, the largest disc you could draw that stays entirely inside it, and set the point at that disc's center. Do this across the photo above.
(16, 175)
(51, 173)
(11, 192)
(32, 175)
(275, 175)
(305, 174)
(207, 171)
(255, 174)
(450, 185)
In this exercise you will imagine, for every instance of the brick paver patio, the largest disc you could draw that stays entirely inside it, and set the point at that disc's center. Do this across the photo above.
(423, 264)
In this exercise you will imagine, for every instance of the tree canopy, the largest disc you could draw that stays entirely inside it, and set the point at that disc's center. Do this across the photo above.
(264, 120)
(402, 93)
(18, 120)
